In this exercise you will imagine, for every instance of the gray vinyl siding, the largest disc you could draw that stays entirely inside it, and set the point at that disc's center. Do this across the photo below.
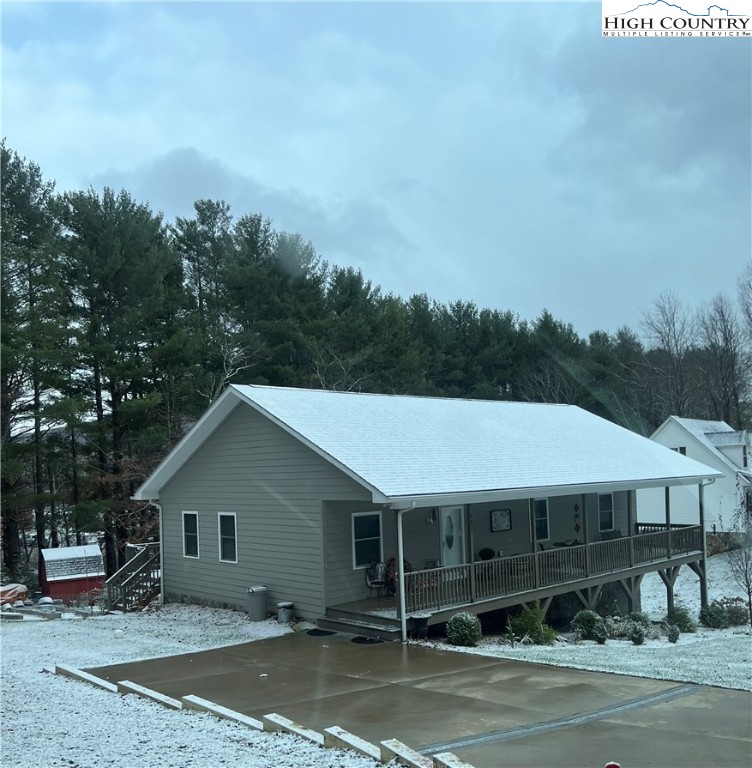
(513, 542)
(343, 582)
(561, 522)
(275, 486)
(422, 536)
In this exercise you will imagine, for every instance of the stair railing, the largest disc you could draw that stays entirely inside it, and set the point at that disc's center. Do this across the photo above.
(139, 577)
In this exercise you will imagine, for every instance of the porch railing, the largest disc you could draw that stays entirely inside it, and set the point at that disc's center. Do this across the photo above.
(438, 588)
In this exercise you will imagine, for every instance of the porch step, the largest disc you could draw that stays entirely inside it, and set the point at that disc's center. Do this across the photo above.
(379, 630)
(353, 616)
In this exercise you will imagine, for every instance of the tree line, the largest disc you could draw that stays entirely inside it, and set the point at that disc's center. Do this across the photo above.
(120, 328)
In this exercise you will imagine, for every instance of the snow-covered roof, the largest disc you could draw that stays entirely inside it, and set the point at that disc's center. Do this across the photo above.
(71, 553)
(408, 449)
(711, 435)
(732, 437)
(65, 563)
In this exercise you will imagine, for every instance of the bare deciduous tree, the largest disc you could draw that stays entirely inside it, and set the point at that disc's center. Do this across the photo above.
(745, 299)
(552, 381)
(336, 372)
(671, 330)
(722, 359)
(740, 558)
(233, 358)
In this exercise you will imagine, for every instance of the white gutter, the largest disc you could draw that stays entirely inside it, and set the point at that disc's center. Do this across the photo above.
(510, 494)
(161, 552)
(401, 572)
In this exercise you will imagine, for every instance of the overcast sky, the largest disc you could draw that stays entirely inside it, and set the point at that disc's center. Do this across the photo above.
(499, 152)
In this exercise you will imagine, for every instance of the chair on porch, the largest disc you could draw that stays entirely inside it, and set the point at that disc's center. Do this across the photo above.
(376, 578)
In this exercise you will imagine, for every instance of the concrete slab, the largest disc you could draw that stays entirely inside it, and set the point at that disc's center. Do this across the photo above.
(428, 699)
(629, 744)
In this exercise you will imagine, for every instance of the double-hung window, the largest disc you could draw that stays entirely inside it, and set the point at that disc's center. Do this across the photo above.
(366, 538)
(228, 549)
(605, 512)
(190, 534)
(541, 519)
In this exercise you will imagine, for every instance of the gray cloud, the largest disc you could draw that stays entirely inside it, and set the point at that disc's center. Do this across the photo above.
(355, 229)
(499, 152)
(662, 110)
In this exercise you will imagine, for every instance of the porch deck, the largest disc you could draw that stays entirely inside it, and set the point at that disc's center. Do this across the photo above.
(506, 581)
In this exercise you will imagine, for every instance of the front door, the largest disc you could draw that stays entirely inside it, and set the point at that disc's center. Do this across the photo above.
(452, 536)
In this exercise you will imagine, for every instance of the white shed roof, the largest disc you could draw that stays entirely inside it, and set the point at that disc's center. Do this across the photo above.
(71, 553)
(434, 450)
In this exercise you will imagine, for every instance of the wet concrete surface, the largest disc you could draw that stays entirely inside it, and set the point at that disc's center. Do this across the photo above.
(429, 699)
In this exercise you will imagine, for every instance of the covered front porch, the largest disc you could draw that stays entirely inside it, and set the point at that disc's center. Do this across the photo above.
(486, 556)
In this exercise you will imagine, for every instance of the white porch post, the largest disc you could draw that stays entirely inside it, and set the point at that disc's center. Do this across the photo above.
(668, 519)
(704, 577)
(401, 574)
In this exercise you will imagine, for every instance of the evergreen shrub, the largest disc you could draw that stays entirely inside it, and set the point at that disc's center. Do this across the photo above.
(681, 616)
(529, 624)
(600, 634)
(464, 629)
(737, 612)
(585, 623)
(637, 633)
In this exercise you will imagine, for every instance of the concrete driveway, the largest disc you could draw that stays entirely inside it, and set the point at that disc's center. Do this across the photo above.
(492, 713)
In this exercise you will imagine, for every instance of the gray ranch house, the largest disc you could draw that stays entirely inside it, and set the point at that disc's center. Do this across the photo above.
(486, 504)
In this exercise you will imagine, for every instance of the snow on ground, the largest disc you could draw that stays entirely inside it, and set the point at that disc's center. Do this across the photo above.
(48, 721)
(53, 722)
(710, 657)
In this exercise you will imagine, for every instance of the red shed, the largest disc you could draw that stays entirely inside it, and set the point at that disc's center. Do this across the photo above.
(67, 572)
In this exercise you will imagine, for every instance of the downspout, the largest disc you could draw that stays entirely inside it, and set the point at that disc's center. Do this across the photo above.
(161, 552)
(401, 571)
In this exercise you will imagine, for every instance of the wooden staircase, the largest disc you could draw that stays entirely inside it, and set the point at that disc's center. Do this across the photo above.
(137, 583)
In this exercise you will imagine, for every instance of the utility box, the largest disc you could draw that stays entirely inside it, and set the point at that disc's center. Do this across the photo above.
(257, 603)
(284, 613)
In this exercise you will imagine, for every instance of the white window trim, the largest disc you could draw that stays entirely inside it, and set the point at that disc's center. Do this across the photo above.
(600, 528)
(198, 537)
(548, 519)
(352, 537)
(219, 536)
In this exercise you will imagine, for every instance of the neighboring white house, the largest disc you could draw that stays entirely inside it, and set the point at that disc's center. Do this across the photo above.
(717, 445)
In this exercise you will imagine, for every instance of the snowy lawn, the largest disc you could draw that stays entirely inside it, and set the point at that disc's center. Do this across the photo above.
(720, 657)
(49, 721)
(53, 722)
